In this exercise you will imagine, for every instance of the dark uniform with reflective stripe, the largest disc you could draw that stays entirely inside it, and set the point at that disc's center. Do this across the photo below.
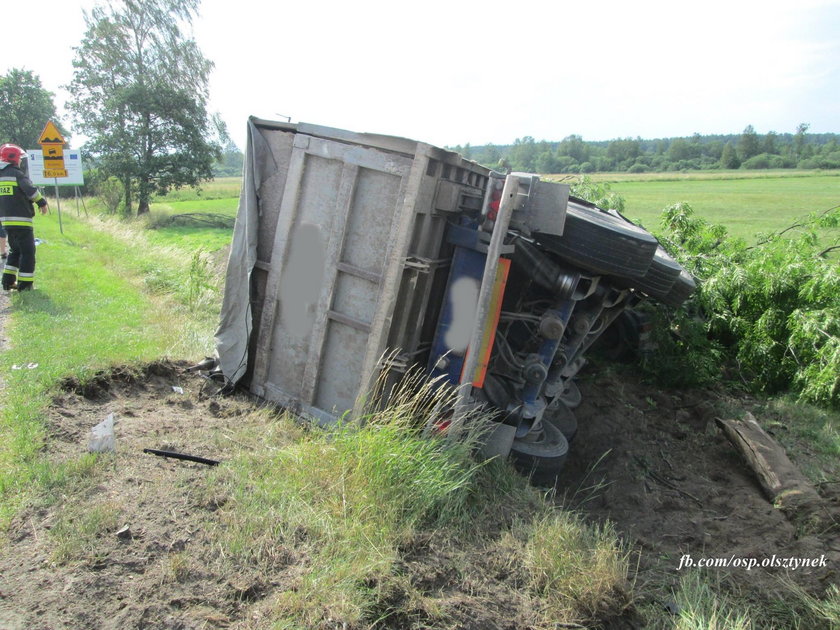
(17, 194)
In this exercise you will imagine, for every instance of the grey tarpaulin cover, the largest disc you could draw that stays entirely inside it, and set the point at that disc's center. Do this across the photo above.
(235, 322)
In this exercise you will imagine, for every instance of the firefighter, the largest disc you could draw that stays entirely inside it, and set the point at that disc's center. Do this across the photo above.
(17, 194)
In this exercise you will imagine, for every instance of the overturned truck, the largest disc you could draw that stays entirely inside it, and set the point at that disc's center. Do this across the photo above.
(357, 255)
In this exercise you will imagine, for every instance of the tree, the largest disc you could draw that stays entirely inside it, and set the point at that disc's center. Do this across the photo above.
(624, 150)
(574, 147)
(729, 158)
(489, 156)
(799, 140)
(231, 162)
(141, 97)
(25, 107)
(546, 163)
(748, 144)
(680, 149)
(523, 154)
(769, 145)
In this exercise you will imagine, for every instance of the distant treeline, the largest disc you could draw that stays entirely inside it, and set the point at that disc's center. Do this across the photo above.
(748, 150)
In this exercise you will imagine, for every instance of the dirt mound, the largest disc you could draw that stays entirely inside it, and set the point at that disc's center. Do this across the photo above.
(136, 546)
(656, 465)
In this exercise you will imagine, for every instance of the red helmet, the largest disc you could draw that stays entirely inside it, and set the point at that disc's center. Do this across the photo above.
(11, 154)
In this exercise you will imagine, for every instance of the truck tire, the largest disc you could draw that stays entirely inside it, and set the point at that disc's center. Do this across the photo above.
(541, 459)
(660, 277)
(570, 396)
(562, 417)
(681, 291)
(601, 243)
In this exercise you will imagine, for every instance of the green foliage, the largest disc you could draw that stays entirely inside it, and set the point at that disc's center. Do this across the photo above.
(110, 192)
(230, 163)
(140, 91)
(773, 308)
(25, 107)
(729, 157)
(598, 193)
(575, 155)
(748, 144)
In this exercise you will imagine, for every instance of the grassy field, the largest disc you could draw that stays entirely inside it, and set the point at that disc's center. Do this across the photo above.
(746, 202)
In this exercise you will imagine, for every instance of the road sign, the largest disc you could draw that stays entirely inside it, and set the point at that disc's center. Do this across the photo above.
(42, 176)
(52, 146)
(51, 135)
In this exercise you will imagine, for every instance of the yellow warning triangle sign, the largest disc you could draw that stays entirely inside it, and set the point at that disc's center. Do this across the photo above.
(51, 135)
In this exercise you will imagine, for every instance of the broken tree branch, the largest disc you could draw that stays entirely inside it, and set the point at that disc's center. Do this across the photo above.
(780, 480)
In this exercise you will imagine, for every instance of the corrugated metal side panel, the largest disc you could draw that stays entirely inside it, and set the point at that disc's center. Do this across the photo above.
(304, 264)
(333, 240)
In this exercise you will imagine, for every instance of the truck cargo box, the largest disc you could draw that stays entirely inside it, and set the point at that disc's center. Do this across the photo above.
(338, 255)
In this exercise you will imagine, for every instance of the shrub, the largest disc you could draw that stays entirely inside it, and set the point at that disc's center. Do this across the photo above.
(598, 193)
(761, 161)
(110, 192)
(773, 308)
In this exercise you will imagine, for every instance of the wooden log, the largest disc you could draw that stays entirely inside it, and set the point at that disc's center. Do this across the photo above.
(780, 480)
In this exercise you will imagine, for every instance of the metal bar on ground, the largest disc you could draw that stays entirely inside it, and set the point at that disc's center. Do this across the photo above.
(183, 456)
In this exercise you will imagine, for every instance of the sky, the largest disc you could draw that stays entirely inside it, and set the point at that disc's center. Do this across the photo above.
(457, 71)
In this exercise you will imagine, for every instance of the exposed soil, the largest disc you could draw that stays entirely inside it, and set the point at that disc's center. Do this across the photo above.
(655, 464)
(650, 461)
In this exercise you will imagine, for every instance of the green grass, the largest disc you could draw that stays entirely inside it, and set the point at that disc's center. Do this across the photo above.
(746, 202)
(219, 188)
(705, 175)
(811, 436)
(348, 500)
(208, 239)
(702, 602)
(194, 237)
(226, 206)
(576, 568)
(745, 206)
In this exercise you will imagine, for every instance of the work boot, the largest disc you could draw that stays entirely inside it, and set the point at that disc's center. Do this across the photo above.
(24, 286)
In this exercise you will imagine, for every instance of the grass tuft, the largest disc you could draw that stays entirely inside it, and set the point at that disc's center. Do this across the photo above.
(579, 571)
(79, 531)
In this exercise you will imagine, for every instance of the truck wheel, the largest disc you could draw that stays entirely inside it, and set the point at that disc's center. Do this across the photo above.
(570, 396)
(681, 291)
(660, 277)
(541, 458)
(562, 417)
(601, 243)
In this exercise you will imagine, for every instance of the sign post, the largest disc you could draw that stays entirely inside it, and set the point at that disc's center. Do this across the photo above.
(52, 148)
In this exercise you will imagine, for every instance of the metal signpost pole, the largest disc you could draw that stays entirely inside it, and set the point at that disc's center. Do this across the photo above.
(58, 204)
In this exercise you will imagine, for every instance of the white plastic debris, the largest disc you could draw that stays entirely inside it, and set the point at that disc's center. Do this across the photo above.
(177, 390)
(102, 438)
